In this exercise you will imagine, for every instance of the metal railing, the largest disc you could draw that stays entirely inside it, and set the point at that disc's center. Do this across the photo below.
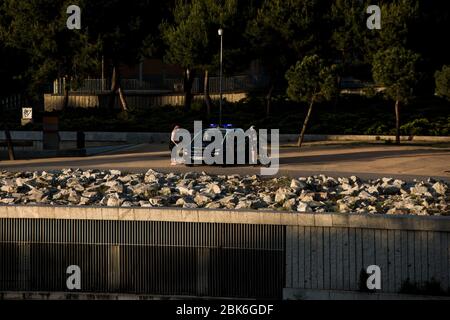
(13, 102)
(230, 84)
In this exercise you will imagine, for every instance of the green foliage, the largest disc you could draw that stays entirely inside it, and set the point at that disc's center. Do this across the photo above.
(397, 20)
(443, 82)
(310, 79)
(395, 68)
(125, 30)
(283, 30)
(423, 127)
(37, 30)
(191, 38)
(347, 38)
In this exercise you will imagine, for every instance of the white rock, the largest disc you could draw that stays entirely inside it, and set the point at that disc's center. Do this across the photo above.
(440, 188)
(201, 200)
(303, 207)
(297, 184)
(113, 200)
(185, 191)
(7, 200)
(213, 188)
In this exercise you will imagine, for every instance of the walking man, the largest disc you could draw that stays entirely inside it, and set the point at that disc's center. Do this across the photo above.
(173, 143)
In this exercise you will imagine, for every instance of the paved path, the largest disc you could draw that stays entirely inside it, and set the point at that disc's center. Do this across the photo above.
(364, 160)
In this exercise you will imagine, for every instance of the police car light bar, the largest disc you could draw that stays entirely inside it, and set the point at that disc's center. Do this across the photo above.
(226, 126)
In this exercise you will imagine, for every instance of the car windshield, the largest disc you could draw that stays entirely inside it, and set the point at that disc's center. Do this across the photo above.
(209, 134)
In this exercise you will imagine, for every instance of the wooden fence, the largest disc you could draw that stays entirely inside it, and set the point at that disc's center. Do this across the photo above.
(55, 102)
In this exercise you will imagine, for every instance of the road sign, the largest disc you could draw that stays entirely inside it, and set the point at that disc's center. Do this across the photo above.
(27, 113)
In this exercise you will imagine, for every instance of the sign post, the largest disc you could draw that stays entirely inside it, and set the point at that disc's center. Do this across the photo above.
(50, 132)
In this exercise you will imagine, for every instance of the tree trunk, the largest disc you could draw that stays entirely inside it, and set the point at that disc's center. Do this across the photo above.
(112, 95)
(9, 144)
(269, 99)
(123, 100)
(206, 94)
(397, 122)
(188, 79)
(338, 95)
(66, 92)
(305, 123)
(117, 88)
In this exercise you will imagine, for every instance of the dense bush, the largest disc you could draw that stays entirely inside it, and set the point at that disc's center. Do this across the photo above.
(443, 82)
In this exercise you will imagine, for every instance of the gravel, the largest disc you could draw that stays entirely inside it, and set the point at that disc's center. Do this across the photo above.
(317, 194)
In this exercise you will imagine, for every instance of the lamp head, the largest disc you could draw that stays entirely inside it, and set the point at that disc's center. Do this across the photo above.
(220, 32)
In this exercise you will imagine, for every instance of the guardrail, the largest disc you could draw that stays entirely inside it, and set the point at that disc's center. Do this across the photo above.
(219, 253)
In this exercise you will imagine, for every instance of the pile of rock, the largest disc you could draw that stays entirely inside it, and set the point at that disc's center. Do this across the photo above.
(199, 190)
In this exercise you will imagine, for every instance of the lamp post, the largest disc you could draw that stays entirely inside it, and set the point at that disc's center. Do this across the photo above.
(220, 32)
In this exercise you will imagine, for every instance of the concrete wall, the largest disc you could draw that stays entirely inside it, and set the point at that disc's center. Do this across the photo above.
(135, 100)
(365, 138)
(94, 139)
(323, 252)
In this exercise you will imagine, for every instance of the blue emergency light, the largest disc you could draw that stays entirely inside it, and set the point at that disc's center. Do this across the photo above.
(225, 126)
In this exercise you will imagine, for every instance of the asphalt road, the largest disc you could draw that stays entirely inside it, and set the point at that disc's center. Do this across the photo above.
(364, 160)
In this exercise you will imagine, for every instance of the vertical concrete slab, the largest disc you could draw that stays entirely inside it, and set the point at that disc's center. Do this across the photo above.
(314, 257)
(368, 248)
(359, 254)
(398, 251)
(384, 259)
(391, 259)
(295, 257)
(301, 257)
(353, 275)
(434, 249)
(339, 259)
(418, 266)
(290, 234)
(424, 256)
(333, 258)
(346, 257)
(308, 253)
(444, 254)
(320, 258)
(326, 259)
(411, 255)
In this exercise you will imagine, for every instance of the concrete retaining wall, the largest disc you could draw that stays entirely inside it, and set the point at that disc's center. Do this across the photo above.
(365, 138)
(327, 220)
(323, 252)
(94, 139)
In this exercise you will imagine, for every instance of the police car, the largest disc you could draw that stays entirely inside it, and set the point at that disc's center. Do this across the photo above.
(206, 137)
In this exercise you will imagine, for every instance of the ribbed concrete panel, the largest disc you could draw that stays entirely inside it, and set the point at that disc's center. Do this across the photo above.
(148, 257)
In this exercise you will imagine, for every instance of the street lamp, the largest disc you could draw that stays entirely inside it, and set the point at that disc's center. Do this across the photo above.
(220, 32)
